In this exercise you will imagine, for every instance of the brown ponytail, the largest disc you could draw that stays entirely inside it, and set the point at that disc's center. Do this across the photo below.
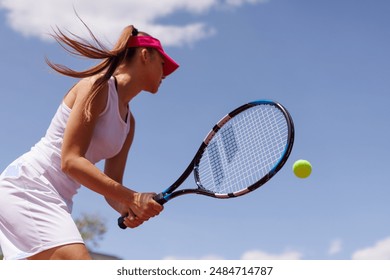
(111, 59)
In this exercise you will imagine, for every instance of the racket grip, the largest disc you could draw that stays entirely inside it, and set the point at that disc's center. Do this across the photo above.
(159, 198)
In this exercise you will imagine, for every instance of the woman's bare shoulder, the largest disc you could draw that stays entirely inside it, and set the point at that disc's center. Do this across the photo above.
(82, 89)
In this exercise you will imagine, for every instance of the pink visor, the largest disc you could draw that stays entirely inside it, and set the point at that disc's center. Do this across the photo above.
(149, 42)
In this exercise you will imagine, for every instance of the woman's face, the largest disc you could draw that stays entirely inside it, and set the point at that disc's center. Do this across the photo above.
(154, 73)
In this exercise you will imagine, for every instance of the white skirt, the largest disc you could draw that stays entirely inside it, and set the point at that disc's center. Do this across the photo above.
(33, 216)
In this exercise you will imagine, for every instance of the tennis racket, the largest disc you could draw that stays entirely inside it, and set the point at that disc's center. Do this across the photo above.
(244, 150)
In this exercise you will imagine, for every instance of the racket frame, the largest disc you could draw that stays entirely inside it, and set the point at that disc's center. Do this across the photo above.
(170, 192)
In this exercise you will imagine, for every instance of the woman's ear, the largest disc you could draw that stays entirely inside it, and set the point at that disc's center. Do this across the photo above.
(145, 55)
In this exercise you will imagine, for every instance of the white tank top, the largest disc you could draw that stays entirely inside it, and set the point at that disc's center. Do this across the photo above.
(108, 138)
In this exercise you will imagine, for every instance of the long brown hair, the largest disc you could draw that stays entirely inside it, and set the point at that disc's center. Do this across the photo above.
(111, 59)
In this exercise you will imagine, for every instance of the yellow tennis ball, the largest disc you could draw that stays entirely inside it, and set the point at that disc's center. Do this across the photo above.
(302, 168)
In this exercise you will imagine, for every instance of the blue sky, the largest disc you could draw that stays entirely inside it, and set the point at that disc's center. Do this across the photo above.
(328, 62)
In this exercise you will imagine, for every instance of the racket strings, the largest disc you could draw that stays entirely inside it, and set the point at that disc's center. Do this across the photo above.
(244, 150)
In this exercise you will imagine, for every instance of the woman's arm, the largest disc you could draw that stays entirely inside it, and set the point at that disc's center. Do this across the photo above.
(77, 137)
(115, 166)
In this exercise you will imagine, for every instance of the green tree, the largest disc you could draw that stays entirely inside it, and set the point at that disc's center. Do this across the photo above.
(92, 229)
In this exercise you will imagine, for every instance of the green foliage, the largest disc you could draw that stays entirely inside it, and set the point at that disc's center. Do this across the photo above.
(92, 228)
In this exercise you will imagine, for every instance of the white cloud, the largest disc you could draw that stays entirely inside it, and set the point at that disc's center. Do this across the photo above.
(249, 255)
(261, 255)
(335, 247)
(108, 18)
(242, 2)
(380, 251)
(206, 257)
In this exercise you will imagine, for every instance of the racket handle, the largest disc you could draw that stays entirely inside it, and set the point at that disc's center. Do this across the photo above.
(159, 198)
(121, 222)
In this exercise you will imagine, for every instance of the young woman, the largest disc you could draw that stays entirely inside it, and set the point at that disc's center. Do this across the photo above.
(91, 124)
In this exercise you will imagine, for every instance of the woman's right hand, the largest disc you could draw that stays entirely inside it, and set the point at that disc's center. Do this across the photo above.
(141, 208)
